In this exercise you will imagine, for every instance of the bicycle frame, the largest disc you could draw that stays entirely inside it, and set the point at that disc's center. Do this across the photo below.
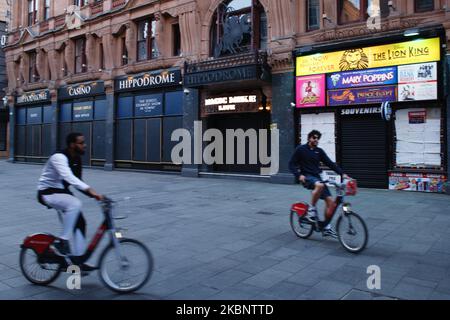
(105, 226)
(338, 201)
(41, 243)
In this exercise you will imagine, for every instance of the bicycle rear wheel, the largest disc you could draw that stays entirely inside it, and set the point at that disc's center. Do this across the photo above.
(352, 232)
(36, 271)
(302, 228)
(129, 272)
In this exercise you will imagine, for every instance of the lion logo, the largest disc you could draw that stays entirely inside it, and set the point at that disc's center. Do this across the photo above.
(354, 59)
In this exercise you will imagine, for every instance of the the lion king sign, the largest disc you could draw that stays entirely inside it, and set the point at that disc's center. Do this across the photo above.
(417, 51)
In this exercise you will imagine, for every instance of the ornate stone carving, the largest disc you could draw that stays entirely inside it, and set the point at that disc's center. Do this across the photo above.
(178, 10)
(361, 31)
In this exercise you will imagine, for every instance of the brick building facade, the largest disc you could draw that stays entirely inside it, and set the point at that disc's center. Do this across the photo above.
(127, 73)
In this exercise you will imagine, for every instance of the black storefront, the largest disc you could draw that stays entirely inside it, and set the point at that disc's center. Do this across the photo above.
(149, 107)
(33, 126)
(230, 93)
(406, 151)
(83, 108)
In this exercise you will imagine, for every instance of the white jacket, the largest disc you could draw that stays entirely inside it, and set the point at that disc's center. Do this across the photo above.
(57, 170)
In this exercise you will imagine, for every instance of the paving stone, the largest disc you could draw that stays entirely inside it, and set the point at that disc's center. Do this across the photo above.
(208, 242)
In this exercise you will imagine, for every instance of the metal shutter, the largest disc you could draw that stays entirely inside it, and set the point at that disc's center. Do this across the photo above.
(363, 150)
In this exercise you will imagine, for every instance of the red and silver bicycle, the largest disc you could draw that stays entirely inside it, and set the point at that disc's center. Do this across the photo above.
(125, 265)
(350, 227)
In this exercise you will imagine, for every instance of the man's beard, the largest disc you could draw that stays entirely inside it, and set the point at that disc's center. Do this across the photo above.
(80, 152)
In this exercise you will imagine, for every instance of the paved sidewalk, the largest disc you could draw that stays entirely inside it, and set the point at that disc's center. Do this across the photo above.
(231, 239)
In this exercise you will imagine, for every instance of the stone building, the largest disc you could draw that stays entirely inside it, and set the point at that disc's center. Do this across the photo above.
(128, 73)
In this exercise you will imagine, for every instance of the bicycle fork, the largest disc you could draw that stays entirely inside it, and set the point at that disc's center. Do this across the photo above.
(117, 249)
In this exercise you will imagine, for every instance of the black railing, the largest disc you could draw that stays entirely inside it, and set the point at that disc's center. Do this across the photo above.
(250, 58)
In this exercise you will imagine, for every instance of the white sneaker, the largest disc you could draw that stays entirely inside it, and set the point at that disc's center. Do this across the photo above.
(311, 214)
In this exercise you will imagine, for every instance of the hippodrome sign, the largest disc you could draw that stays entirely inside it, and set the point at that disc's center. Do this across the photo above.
(409, 52)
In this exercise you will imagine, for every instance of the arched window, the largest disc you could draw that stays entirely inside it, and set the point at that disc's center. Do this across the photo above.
(238, 26)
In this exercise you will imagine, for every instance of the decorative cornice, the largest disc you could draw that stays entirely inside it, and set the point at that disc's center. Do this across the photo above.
(281, 61)
(346, 32)
(176, 11)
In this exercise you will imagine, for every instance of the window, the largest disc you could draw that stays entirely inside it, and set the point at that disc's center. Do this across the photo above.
(313, 15)
(239, 26)
(356, 10)
(146, 43)
(351, 11)
(176, 39)
(423, 5)
(80, 55)
(80, 3)
(101, 57)
(33, 11)
(124, 51)
(33, 74)
(46, 9)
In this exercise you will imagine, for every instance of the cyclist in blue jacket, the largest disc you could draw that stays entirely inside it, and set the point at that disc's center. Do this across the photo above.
(305, 165)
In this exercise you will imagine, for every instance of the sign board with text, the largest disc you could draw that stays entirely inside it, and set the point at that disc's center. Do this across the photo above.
(363, 78)
(231, 103)
(416, 51)
(362, 95)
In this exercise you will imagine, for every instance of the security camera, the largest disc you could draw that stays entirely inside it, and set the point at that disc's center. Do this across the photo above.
(186, 91)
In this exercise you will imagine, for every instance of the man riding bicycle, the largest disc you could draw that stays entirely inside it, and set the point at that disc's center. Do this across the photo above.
(305, 165)
(62, 170)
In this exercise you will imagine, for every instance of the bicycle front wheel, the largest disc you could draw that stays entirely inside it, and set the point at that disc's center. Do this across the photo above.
(127, 271)
(300, 226)
(352, 232)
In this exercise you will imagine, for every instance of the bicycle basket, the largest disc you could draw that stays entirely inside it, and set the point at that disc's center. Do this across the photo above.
(351, 188)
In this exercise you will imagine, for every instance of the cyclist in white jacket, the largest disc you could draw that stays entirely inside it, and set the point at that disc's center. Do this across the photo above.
(62, 170)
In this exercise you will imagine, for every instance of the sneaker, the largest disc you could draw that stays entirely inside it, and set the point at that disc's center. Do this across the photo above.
(311, 215)
(62, 246)
(329, 232)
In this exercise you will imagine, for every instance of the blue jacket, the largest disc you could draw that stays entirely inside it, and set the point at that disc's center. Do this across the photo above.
(306, 161)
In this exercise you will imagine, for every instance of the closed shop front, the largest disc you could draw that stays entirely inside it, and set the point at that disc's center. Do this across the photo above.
(149, 107)
(384, 105)
(34, 114)
(82, 108)
(233, 111)
(235, 98)
(363, 148)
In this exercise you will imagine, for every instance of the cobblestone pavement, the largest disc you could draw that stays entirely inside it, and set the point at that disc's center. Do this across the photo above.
(231, 239)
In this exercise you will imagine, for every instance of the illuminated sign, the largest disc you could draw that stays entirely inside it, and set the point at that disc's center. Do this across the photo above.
(31, 97)
(362, 95)
(311, 91)
(362, 78)
(241, 103)
(418, 82)
(81, 90)
(147, 80)
(416, 51)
